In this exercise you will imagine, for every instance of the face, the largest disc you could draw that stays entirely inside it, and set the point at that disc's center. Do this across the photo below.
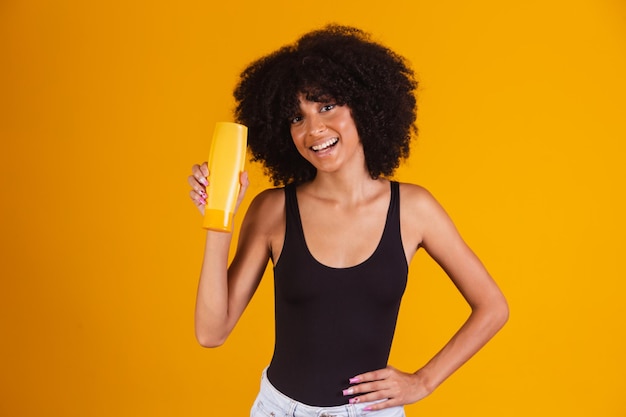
(325, 135)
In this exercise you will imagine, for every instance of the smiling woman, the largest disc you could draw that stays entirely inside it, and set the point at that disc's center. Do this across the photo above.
(326, 135)
(105, 103)
(338, 65)
(331, 118)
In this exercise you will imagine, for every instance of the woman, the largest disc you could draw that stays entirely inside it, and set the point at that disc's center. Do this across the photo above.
(331, 117)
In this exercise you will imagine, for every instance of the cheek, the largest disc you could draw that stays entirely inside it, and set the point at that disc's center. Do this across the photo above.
(346, 122)
(296, 136)
(348, 127)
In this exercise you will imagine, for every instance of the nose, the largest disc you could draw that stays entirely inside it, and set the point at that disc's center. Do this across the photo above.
(315, 125)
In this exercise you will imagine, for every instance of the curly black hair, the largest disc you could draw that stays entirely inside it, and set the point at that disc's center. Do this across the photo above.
(338, 63)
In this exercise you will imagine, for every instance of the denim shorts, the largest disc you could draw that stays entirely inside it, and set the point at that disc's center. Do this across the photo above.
(272, 403)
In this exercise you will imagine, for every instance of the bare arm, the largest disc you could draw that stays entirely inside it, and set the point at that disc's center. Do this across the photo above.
(225, 291)
(434, 231)
(489, 308)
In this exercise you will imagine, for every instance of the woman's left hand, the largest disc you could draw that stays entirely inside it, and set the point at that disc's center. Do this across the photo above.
(395, 387)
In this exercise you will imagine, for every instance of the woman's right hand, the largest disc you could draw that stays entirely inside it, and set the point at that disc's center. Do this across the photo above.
(198, 180)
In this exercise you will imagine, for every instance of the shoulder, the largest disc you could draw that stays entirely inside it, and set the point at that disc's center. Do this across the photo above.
(415, 197)
(270, 196)
(265, 220)
(420, 213)
(419, 202)
(267, 210)
(269, 203)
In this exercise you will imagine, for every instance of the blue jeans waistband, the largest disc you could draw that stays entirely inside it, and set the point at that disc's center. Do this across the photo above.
(272, 403)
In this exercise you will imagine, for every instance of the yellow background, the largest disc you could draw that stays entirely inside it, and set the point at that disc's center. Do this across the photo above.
(105, 105)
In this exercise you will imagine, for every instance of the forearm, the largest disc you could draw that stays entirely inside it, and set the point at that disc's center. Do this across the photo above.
(480, 327)
(211, 315)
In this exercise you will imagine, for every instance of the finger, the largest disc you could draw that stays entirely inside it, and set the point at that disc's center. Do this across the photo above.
(366, 387)
(198, 191)
(244, 182)
(200, 173)
(378, 397)
(195, 183)
(198, 199)
(376, 375)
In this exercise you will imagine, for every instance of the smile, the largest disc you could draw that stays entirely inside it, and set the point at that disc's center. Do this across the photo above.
(330, 142)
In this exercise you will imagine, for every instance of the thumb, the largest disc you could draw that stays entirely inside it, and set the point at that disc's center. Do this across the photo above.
(244, 182)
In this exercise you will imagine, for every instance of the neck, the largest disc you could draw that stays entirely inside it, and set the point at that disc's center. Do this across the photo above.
(346, 187)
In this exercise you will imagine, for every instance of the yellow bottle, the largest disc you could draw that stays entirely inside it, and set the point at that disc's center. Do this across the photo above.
(227, 156)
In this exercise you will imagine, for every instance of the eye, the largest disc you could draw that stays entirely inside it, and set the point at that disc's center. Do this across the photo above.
(327, 107)
(295, 119)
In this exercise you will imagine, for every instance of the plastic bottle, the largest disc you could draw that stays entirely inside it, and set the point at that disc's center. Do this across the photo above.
(227, 156)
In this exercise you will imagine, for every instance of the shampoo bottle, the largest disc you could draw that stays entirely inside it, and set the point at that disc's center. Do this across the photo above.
(226, 160)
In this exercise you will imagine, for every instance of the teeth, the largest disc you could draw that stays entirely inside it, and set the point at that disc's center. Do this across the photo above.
(327, 144)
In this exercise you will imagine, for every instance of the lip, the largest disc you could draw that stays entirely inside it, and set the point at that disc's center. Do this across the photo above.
(324, 145)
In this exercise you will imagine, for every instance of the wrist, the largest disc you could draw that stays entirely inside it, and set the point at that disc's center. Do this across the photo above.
(427, 379)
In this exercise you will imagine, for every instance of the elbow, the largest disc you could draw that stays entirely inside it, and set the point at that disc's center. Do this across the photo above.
(495, 313)
(208, 340)
(501, 313)
(207, 343)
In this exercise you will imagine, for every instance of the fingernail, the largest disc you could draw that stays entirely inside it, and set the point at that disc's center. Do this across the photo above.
(204, 181)
(353, 400)
(368, 408)
(354, 380)
(348, 391)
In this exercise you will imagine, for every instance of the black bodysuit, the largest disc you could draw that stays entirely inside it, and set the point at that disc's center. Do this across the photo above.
(334, 323)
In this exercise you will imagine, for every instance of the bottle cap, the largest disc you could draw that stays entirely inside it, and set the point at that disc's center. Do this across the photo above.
(218, 220)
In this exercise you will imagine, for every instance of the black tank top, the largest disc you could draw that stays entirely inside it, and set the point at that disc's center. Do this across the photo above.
(334, 323)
